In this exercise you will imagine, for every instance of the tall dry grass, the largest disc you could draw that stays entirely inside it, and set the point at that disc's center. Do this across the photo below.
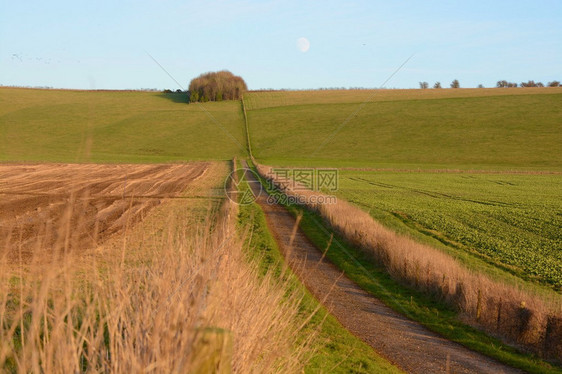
(175, 298)
(516, 315)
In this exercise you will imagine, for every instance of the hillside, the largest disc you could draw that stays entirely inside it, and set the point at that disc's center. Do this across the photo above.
(115, 126)
(465, 128)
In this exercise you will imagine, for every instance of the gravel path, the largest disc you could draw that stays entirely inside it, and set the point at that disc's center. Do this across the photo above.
(403, 342)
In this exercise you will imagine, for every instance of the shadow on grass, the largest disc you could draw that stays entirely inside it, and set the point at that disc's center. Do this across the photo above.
(176, 97)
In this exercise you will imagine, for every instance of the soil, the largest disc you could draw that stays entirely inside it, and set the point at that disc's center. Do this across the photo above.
(46, 208)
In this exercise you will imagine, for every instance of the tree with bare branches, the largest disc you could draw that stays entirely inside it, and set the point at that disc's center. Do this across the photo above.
(217, 86)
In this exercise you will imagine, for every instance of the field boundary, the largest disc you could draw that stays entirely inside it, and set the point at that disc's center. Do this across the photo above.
(246, 126)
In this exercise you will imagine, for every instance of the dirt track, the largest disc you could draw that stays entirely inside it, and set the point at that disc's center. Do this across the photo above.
(73, 206)
(403, 342)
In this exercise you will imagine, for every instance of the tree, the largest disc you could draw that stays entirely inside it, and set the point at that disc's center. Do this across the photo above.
(480, 86)
(501, 84)
(194, 97)
(424, 85)
(504, 83)
(455, 84)
(437, 85)
(554, 84)
(531, 84)
(217, 86)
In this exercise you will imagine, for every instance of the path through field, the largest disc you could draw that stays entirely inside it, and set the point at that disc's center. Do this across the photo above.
(405, 343)
(77, 206)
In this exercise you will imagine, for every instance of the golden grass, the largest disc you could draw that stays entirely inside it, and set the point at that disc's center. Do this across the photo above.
(518, 316)
(266, 99)
(173, 294)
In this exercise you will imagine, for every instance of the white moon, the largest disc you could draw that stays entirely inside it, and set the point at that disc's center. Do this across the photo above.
(303, 44)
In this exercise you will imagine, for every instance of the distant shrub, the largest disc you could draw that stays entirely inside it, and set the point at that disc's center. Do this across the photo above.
(455, 84)
(554, 84)
(217, 86)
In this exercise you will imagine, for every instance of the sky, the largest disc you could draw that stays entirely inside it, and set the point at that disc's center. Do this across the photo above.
(108, 44)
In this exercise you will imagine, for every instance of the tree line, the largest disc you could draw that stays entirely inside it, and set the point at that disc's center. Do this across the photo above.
(500, 84)
(504, 83)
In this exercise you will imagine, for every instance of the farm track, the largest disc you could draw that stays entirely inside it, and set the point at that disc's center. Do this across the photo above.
(405, 343)
(93, 201)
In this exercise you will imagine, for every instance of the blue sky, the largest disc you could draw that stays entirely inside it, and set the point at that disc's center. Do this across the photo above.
(104, 44)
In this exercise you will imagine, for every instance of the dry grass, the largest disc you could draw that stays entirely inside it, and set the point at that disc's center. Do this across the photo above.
(268, 99)
(516, 315)
(168, 295)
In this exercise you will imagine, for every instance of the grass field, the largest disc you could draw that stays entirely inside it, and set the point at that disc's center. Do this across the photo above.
(469, 129)
(268, 99)
(511, 221)
(115, 126)
(474, 173)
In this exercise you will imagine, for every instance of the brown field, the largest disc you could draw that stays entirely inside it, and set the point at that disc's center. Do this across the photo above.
(96, 201)
(159, 296)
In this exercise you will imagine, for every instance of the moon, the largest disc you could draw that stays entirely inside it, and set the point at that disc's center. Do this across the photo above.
(303, 44)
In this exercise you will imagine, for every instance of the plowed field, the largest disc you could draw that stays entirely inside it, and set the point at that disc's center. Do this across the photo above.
(69, 207)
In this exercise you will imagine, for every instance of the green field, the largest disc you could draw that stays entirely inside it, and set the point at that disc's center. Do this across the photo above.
(509, 220)
(474, 173)
(115, 126)
(514, 129)
(512, 221)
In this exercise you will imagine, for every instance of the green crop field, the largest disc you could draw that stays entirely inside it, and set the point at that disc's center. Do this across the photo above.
(510, 220)
(506, 219)
(484, 129)
(115, 126)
